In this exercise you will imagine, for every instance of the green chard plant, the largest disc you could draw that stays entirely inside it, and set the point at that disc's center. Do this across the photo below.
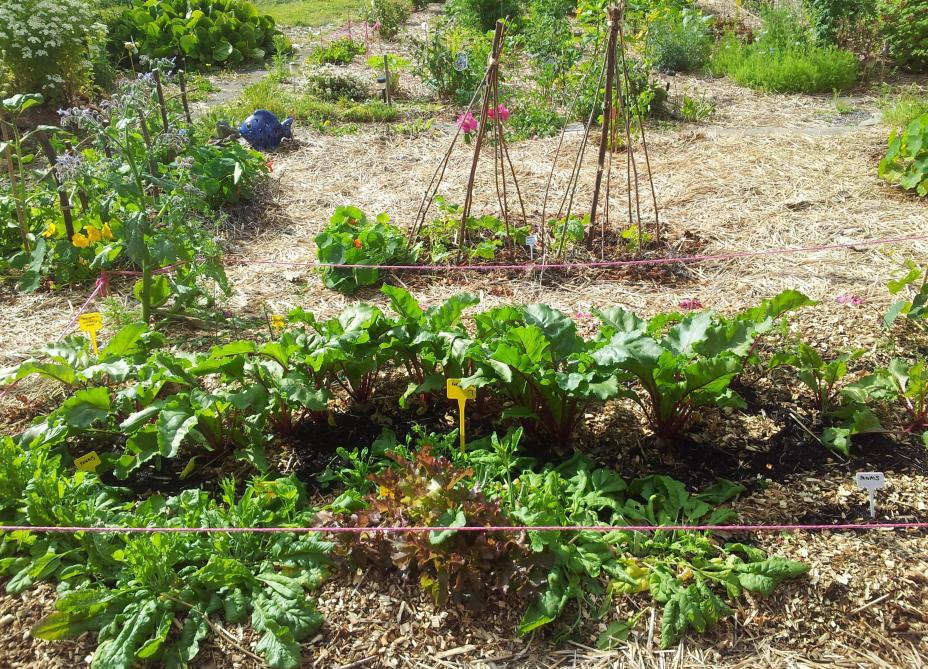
(676, 371)
(914, 303)
(533, 357)
(905, 160)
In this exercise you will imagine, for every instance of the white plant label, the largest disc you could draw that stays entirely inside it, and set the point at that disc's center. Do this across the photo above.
(871, 482)
(531, 241)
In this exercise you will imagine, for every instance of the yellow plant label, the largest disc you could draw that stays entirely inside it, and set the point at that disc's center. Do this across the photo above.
(456, 392)
(88, 462)
(91, 324)
(278, 322)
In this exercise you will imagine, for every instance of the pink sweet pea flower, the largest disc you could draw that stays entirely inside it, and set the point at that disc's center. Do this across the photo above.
(467, 123)
(503, 114)
(853, 300)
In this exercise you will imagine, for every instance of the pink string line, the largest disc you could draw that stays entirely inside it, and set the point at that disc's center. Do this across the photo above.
(595, 264)
(513, 528)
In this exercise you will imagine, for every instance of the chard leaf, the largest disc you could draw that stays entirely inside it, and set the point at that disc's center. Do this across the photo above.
(173, 427)
(123, 342)
(558, 329)
(86, 407)
(691, 331)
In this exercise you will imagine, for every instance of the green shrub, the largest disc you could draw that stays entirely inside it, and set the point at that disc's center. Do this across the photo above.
(340, 52)
(532, 116)
(834, 21)
(906, 160)
(49, 47)
(483, 14)
(333, 86)
(199, 32)
(905, 28)
(796, 69)
(452, 60)
(390, 14)
(680, 41)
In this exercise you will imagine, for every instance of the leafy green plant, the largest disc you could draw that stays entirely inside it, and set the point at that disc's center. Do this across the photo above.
(351, 239)
(906, 383)
(452, 60)
(430, 343)
(333, 86)
(905, 159)
(842, 410)
(391, 15)
(914, 305)
(679, 41)
(227, 174)
(785, 59)
(396, 64)
(532, 117)
(430, 491)
(901, 105)
(687, 572)
(690, 366)
(533, 357)
(904, 28)
(337, 52)
(483, 14)
(201, 32)
(485, 235)
(132, 591)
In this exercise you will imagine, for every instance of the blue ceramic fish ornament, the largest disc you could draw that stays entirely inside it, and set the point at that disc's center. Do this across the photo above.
(264, 132)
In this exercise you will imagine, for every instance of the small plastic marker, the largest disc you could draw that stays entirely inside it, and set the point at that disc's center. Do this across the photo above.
(871, 482)
(88, 462)
(91, 323)
(531, 241)
(278, 322)
(456, 392)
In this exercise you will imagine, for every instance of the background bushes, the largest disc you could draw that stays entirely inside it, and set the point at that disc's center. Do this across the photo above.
(200, 33)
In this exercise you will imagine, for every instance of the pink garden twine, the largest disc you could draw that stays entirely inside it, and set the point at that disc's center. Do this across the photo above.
(513, 528)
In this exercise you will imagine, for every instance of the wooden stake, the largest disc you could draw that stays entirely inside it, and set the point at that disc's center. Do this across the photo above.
(386, 74)
(481, 133)
(182, 80)
(162, 104)
(63, 199)
(615, 20)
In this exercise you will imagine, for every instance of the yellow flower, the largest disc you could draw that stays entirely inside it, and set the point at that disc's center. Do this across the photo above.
(107, 232)
(50, 230)
(80, 241)
(93, 235)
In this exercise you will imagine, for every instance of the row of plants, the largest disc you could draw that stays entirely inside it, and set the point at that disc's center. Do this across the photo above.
(157, 598)
(145, 406)
(125, 185)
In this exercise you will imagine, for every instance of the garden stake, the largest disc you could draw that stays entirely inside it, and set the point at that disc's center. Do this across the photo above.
(182, 80)
(644, 143)
(20, 214)
(456, 392)
(63, 199)
(146, 136)
(81, 193)
(615, 18)
(162, 105)
(481, 133)
(386, 74)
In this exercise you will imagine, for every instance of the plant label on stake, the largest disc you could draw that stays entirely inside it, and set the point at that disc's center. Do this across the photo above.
(531, 241)
(871, 482)
(456, 392)
(277, 323)
(88, 462)
(91, 323)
